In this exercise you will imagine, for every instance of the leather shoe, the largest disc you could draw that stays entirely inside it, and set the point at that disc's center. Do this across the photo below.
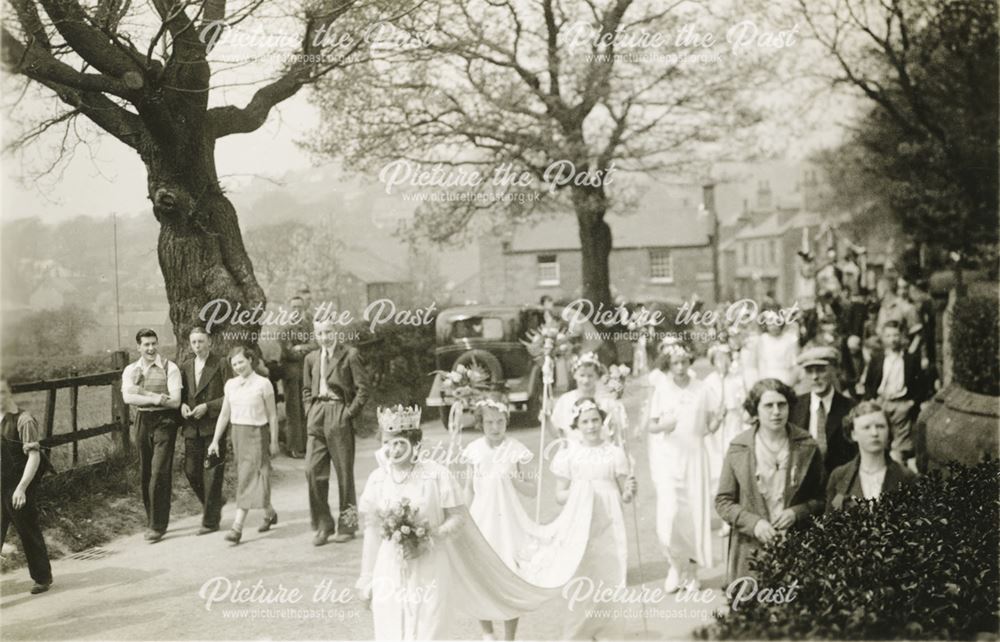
(40, 588)
(205, 530)
(321, 536)
(234, 536)
(269, 521)
(340, 538)
(153, 536)
(294, 454)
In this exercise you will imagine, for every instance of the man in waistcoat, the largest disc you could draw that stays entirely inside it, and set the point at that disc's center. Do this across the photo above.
(152, 386)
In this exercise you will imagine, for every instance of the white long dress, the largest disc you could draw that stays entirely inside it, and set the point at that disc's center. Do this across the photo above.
(588, 539)
(716, 391)
(776, 356)
(416, 599)
(681, 475)
(496, 507)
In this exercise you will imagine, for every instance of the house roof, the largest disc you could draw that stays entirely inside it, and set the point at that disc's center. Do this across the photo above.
(661, 218)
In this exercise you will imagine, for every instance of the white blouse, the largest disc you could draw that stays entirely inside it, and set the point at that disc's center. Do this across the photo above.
(248, 397)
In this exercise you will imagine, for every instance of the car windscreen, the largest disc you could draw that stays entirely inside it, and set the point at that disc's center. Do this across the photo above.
(490, 328)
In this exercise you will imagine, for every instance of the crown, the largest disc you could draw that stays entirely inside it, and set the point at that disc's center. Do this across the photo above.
(587, 359)
(399, 418)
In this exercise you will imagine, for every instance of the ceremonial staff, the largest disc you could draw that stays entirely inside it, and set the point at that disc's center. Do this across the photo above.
(548, 378)
(615, 382)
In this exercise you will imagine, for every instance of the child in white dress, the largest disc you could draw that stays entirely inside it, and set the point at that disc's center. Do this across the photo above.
(593, 481)
(495, 477)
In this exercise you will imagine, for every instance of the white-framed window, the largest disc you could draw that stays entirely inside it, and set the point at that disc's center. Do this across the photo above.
(548, 269)
(661, 266)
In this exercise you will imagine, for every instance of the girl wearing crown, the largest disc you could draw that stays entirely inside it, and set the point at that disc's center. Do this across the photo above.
(680, 471)
(496, 465)
(592, 481)
(413, 591)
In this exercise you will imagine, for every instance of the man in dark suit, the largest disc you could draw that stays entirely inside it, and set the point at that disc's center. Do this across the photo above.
(296, 343)
(204, 376)
(894, 379)
(822, 410)
(334, 390)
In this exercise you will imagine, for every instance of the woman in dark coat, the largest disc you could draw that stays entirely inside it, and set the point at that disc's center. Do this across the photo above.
(872, 472)
(772, 476)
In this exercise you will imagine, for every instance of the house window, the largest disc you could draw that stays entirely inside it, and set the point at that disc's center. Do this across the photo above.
(746, 254)
(548, 269)
(661, 266)
(773, 250)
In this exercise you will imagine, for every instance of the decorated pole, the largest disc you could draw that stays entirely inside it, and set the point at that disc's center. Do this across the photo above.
(548, 378)
(615, 382)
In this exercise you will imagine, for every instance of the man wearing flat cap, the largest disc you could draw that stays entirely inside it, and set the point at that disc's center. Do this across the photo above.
(822, 410)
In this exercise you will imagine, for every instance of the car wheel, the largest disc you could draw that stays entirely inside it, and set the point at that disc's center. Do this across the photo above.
(483, 360)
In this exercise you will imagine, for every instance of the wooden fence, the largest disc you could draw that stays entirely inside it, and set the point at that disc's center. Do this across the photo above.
(119, 410)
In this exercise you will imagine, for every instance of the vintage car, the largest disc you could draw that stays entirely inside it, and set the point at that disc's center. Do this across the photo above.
(489, 337)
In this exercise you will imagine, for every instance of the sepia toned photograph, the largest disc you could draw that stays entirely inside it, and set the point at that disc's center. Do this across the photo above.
(499, 320)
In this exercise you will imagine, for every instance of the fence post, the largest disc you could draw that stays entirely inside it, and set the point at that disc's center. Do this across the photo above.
(119, 409)
(74, 396)
(50, 412)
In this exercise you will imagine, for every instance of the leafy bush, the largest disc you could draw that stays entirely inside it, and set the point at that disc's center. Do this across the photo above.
(919, 564)
(976, 353)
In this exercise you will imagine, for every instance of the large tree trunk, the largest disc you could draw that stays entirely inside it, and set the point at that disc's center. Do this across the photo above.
(200, 247)
(590, 205)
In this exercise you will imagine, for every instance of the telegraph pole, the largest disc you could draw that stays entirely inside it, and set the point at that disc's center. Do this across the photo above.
(708, 199)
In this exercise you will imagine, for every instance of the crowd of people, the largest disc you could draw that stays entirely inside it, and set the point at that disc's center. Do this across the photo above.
(739, 445)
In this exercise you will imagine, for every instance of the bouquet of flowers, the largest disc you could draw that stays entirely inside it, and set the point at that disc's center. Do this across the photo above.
(548, 340)
(614, 381)
(403, 526)
(464, 381)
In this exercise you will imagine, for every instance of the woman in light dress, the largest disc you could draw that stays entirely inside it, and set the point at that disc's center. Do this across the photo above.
(249, 406)
(776, 350)
(495, 477)
(724, 392)
(681, 473)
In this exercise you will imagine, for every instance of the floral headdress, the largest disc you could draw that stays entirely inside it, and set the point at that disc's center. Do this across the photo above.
(579, 409)
(499, 406)
(588, 359)
(671, 347)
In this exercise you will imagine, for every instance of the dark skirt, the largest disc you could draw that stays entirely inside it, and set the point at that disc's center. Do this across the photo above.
(251, 449)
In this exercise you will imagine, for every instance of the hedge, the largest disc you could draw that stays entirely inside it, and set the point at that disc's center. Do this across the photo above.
(976, 353)
(919, 564)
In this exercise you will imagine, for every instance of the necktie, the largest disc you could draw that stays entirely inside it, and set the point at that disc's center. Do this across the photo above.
(323, 390)
(821, 427)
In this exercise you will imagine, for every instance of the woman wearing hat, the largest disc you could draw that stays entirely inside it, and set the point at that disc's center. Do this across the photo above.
(680, 470)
